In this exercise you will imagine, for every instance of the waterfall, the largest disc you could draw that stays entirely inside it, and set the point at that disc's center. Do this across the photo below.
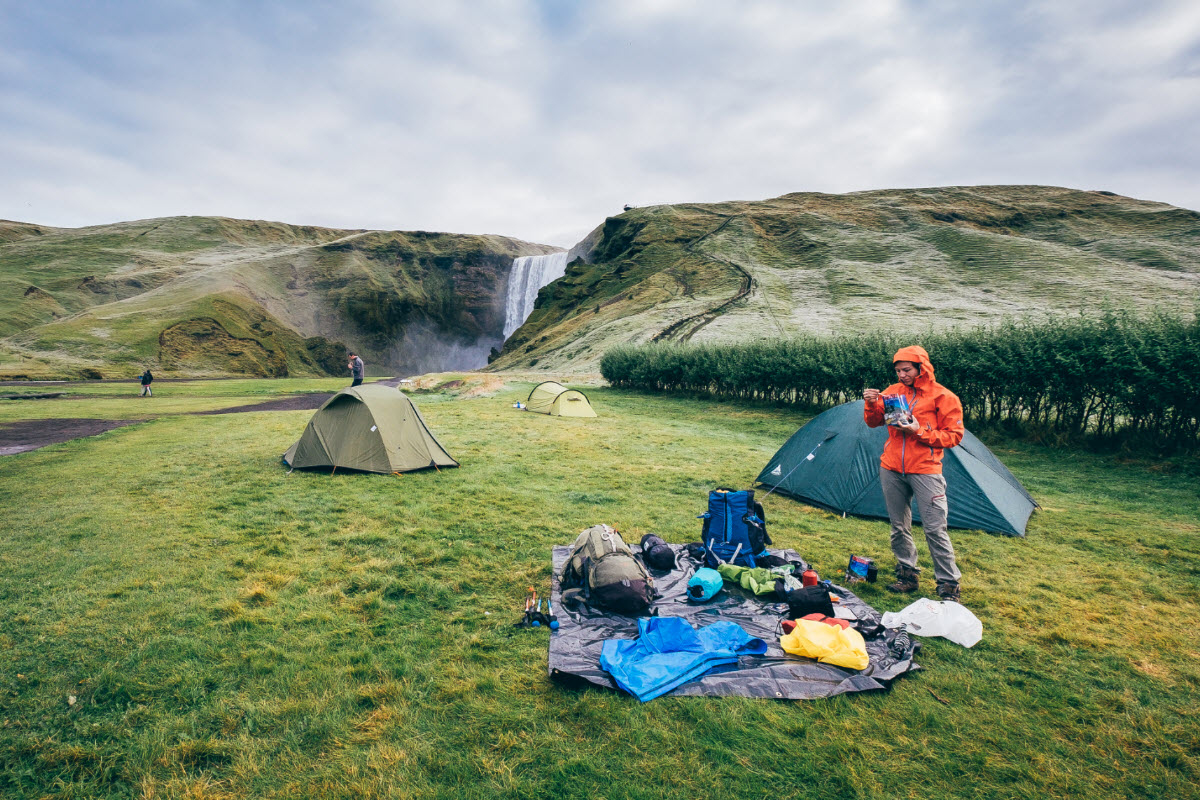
(529, 273)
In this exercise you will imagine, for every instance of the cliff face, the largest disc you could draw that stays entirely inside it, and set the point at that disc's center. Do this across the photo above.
(417, 301)
(813, 263)
(210, 296)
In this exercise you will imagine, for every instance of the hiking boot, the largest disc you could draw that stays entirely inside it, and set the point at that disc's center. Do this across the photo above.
(906, 580)
(948, 591)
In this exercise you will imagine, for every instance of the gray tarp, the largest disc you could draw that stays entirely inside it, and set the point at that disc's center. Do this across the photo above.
(575, 647)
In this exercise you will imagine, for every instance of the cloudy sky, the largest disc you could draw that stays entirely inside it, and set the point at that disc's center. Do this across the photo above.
(539, 119)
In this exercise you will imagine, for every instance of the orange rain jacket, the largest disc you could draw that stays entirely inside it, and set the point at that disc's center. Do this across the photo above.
(935, 407)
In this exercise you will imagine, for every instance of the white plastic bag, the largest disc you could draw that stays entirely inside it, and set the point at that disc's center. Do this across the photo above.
(938, 618)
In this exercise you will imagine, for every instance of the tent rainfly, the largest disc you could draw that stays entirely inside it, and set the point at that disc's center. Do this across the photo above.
(833, 463)
(558, 401)
(371, 428)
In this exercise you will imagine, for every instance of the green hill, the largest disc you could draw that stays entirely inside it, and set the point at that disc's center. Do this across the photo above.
(209, 296)
(809, 262)
(215, 296)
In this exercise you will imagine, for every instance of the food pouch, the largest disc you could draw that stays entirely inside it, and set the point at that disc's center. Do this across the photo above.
(896, 409)
(859, 569)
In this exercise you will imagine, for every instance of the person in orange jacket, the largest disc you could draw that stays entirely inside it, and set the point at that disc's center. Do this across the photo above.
(911, 466)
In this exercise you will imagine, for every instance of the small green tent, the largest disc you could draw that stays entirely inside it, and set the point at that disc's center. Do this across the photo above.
(559, 401)
(371, 428)
(833, 463)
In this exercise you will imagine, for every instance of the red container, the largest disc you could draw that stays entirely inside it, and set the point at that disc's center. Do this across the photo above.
(809, 578)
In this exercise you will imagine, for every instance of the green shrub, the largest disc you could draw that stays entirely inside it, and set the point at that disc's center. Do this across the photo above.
(1117, 374)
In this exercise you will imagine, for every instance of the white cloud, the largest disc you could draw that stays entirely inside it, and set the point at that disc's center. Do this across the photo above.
(538, 119)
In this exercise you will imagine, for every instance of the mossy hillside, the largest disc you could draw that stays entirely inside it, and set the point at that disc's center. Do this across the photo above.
(219, 334)
(91, 266)
(229, 630)
(252, 297)
(810, 262)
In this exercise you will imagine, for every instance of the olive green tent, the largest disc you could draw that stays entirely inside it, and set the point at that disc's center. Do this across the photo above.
(559, 401)
(371, 428)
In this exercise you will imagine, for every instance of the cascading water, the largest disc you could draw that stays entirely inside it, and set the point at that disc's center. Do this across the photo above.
(529, 273)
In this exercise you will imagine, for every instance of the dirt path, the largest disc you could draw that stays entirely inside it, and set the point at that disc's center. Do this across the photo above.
(302, 402)
(30, 434)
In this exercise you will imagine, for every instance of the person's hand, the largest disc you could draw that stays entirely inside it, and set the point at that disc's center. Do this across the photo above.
(912, 426)
(871, 395)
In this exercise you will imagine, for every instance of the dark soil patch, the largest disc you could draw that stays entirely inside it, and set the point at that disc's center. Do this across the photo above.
(30, 434)
(303, 402)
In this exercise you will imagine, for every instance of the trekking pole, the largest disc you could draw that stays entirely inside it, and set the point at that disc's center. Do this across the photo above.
(546, 619)
(524, 623)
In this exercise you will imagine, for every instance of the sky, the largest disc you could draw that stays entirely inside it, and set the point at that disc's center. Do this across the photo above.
(539, 119)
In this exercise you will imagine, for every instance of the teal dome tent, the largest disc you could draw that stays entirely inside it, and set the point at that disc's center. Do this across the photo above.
(833, 463)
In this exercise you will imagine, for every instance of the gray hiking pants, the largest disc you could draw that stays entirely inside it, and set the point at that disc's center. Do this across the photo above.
(930, 491)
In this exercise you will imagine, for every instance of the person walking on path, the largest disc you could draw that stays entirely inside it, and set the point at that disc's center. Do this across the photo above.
(146, 379)
(911, 466)
(357, 368)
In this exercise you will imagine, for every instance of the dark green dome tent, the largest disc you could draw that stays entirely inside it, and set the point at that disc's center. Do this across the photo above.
(833, 463)
(371, 428)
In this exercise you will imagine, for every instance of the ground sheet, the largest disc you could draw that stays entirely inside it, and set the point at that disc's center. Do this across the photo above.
(575, 647)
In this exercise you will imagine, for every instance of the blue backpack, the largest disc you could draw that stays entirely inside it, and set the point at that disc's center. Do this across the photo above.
(734, 529)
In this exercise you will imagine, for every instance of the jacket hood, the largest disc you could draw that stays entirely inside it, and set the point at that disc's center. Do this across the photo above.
(917, 355)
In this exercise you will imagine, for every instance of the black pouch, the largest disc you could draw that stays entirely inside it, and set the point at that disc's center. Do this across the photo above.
(809, 600)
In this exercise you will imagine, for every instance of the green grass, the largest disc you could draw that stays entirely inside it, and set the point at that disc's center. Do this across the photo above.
(232, 630)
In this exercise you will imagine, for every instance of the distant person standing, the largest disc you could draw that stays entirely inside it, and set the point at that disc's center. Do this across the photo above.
(357, 368)
(911, 466)
(146, 379)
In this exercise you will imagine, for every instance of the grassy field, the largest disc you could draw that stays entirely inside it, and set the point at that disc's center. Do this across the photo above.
(183, 618)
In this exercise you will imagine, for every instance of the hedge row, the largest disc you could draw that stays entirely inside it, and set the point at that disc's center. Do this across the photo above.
(1116, 373)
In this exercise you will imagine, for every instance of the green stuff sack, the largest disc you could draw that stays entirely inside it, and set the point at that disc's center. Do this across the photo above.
(603, 570)
(758, 580)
